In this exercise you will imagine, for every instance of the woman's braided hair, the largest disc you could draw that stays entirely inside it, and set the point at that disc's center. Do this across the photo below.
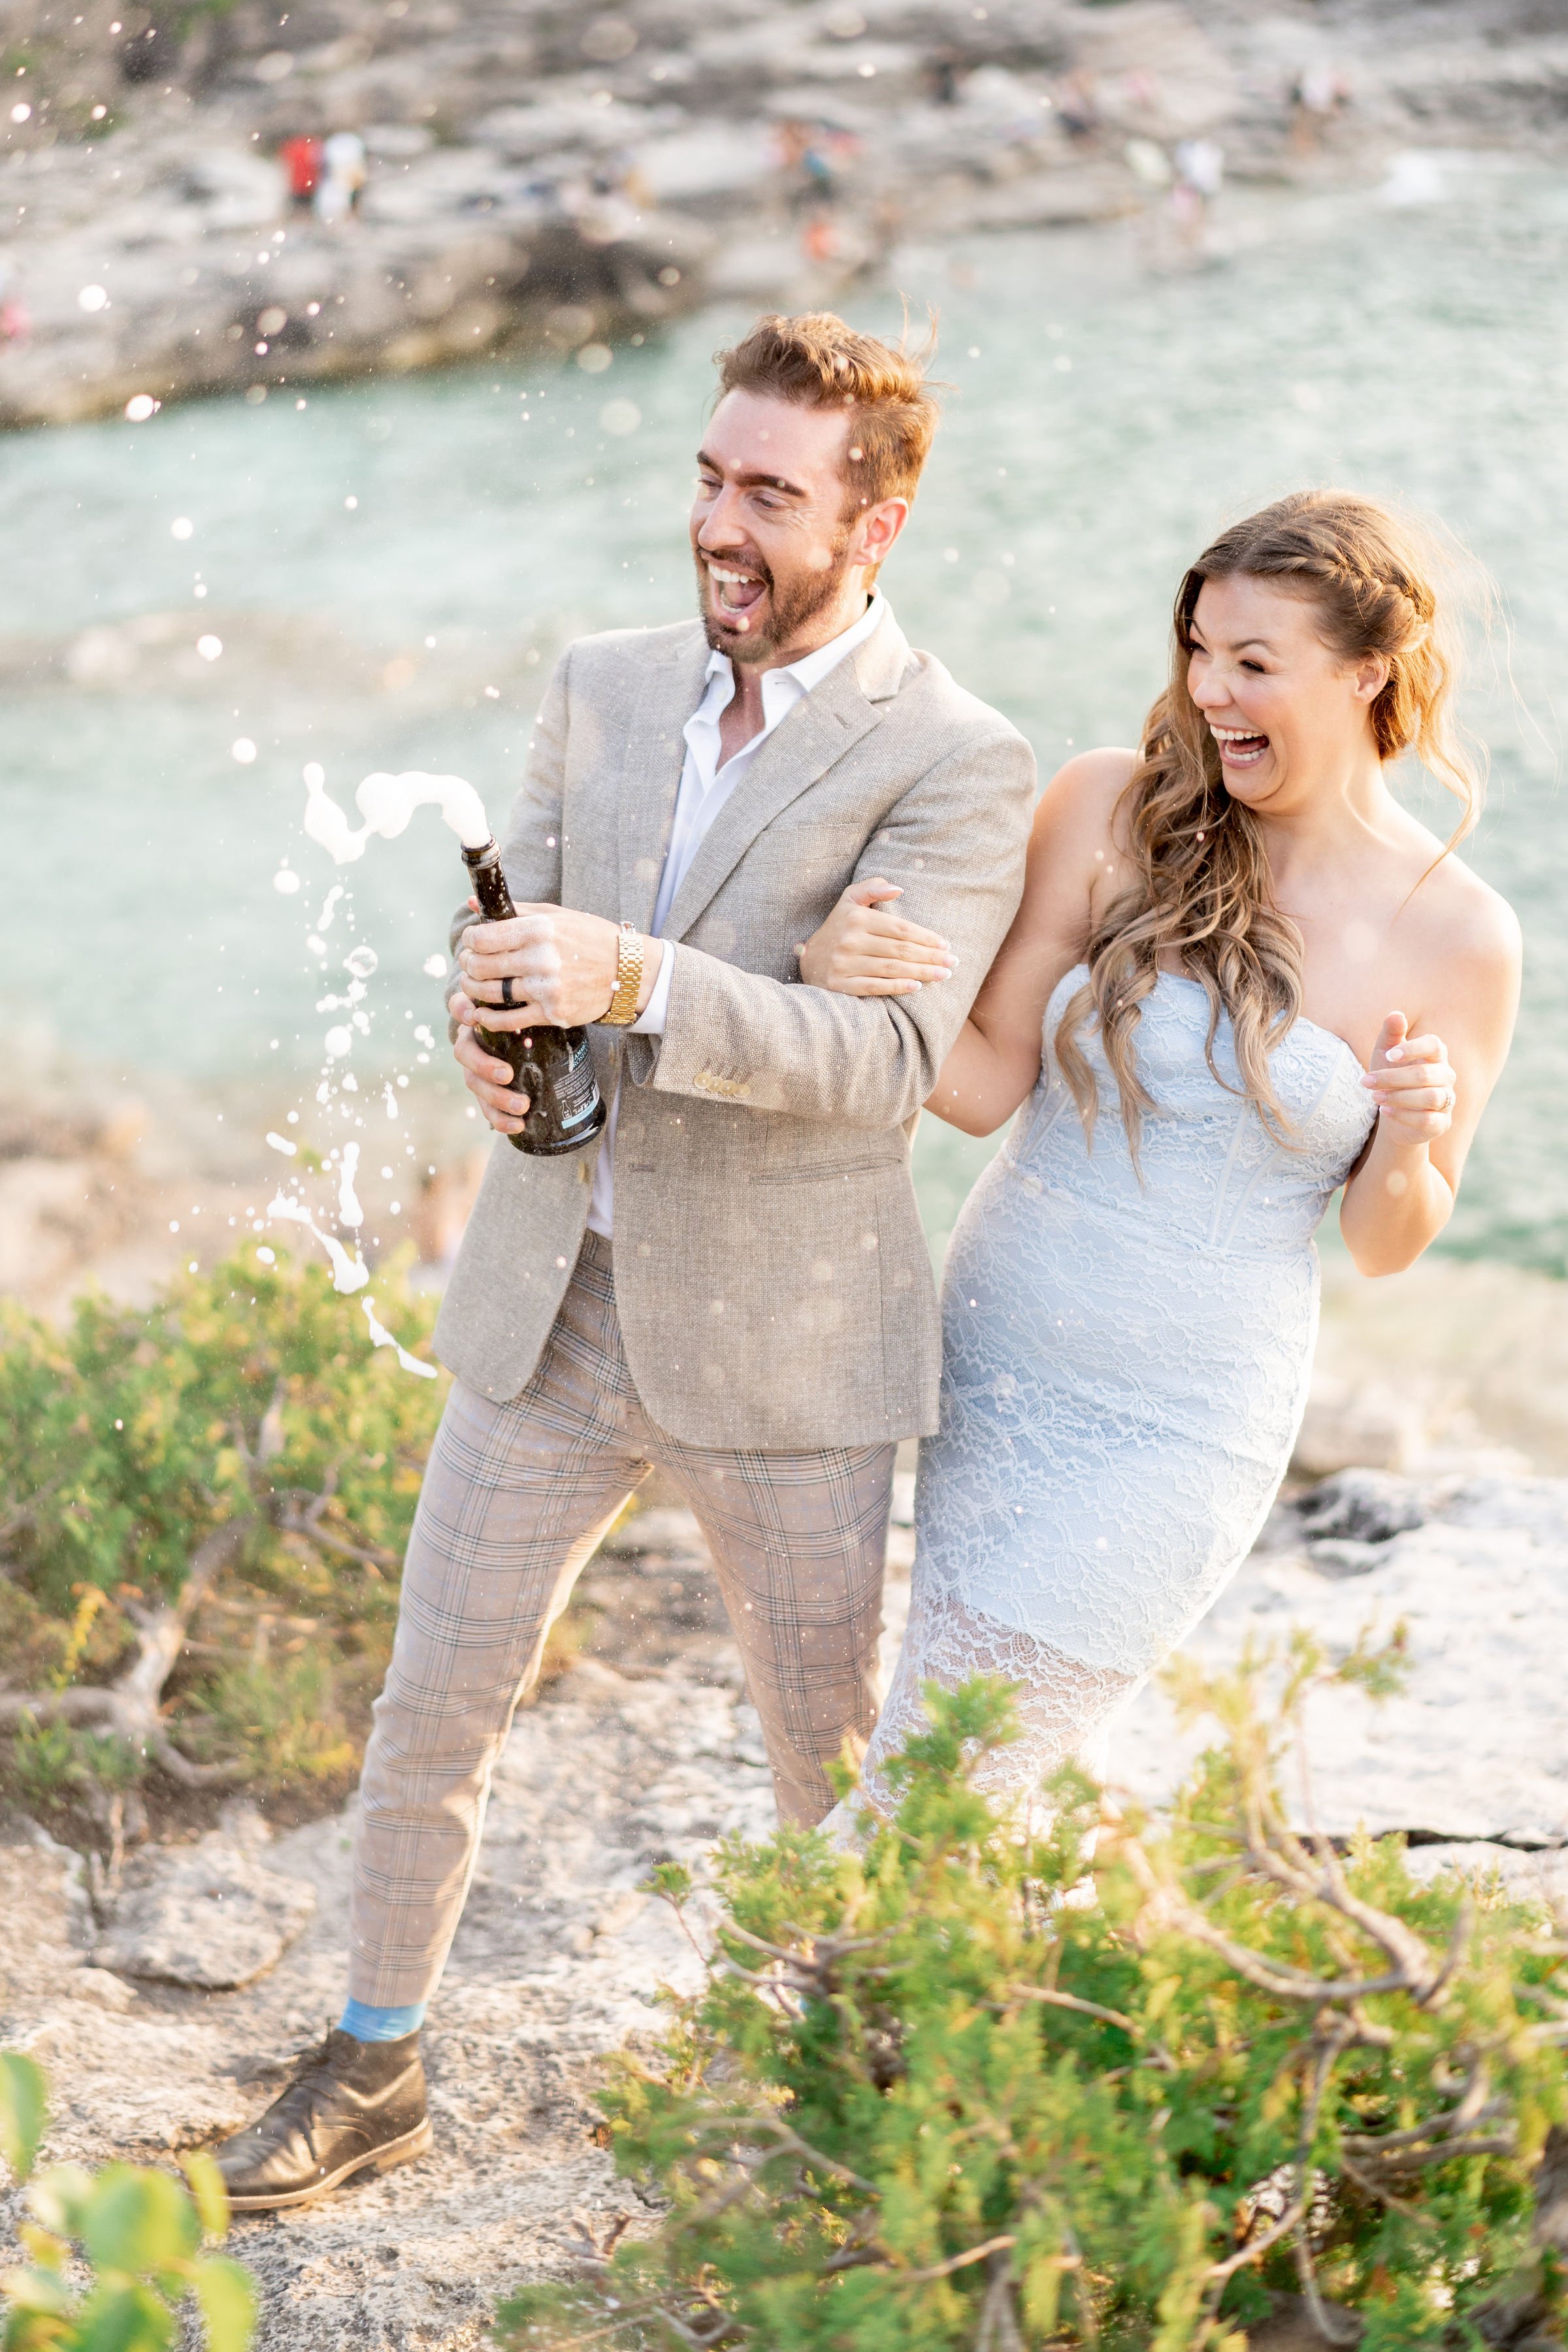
(1202, 899)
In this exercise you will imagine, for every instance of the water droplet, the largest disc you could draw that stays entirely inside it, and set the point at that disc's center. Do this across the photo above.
(361, 962)
(435, 966)
(348, 1274)
(285, 881)
(349, 1209)
(92, 298)
(381, 1337)
(242, 749)
(141, 406)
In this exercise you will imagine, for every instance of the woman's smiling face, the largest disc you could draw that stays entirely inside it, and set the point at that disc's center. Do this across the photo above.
(1279, 701)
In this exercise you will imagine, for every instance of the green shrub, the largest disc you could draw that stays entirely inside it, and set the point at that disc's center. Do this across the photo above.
(285, 1719)
(933, 2097)
(242, 1432)
(139, 2234)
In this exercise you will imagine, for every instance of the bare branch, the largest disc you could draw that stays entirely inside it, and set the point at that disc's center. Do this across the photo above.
(1353, 2171)
(957, 2262)
(812, 2156)
(129, 1706)
(302, 1523)
(1336, 2033)
(1287, 1984)
(179, 1767)
(271, 1438)
(75, 1706)
(1217, 2272)
(1071, 2001)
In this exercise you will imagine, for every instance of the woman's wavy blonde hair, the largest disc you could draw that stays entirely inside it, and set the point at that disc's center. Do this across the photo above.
(1202, 895)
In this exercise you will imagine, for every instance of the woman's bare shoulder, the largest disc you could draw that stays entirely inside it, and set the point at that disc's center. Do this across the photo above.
(1085, 790)
(1457, 916)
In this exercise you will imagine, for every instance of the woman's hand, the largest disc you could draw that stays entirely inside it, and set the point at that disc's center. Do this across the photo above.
(1412, 1082)
(859, 951)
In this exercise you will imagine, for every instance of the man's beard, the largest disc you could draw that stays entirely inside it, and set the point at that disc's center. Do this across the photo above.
(793, 607)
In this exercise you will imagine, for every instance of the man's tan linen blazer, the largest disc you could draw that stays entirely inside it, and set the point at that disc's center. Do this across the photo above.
(774, 1284)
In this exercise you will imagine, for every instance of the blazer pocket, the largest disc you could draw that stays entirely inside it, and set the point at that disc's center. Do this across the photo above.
(827, 1174)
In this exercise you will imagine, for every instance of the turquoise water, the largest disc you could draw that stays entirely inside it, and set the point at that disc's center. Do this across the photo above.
(1104, 420)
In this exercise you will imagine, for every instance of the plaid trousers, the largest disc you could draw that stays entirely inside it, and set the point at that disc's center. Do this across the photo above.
(516, 1498)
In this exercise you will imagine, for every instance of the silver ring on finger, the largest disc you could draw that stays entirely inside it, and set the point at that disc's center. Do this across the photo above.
(506, 995)
(1453, 1096)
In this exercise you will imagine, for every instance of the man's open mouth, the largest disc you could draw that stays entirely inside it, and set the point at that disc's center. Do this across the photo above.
(736, 593)
(1237, 749)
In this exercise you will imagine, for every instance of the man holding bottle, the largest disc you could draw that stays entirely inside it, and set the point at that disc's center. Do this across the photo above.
(731, 1282)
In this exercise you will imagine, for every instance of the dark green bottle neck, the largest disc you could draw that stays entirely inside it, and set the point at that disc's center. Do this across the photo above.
(489, 883)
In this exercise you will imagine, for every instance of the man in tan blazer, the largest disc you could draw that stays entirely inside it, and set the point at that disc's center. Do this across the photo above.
(732, 1283)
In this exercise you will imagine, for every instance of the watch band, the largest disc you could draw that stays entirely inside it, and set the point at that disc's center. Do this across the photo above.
(622, 1009)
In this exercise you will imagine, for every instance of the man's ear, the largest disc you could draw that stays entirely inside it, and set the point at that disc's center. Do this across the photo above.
(874, 533)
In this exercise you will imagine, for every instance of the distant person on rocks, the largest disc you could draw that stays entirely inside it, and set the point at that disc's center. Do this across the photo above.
(733, 1284)
(1317, 95)
(302, 159)
(1243, 976)
(344, 175)
(1078, 106)
(945, 76)
(1199, 176)
(810, 153)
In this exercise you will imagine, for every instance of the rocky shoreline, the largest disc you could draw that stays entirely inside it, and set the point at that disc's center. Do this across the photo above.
(538, 175)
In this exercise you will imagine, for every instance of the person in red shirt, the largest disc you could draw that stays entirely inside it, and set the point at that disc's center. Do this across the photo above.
(301, 159)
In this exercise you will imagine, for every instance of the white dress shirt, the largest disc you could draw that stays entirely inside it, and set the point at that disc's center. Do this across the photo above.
(705, 786)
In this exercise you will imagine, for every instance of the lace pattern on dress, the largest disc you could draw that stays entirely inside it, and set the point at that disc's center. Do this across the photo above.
(1065, 1707)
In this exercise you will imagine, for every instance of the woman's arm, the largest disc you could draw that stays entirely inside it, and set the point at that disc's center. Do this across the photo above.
(1431, 1090)
(1072, 869)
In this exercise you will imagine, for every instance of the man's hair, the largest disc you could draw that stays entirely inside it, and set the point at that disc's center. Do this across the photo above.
(817, 362)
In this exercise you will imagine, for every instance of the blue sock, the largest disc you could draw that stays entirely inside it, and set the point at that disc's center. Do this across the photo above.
(368, 2024)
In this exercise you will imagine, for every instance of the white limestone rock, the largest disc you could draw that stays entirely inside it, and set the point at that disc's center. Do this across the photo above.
(210, 1916)
(1476, 1745)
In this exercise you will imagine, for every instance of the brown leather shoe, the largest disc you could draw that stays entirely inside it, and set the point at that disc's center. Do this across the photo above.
(353, 2106)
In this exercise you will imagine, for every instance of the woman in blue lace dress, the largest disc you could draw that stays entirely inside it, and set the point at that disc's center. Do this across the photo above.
(1242, 975)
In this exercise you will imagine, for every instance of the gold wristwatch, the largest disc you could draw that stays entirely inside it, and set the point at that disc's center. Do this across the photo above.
(622, 1009)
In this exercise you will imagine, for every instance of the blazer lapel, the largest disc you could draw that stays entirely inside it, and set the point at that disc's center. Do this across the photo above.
(799, 752)
(653, 753)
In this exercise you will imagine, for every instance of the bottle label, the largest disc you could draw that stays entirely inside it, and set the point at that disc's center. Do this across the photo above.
(576, 1090)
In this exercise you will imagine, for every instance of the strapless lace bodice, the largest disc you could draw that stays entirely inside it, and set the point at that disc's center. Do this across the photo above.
(1126, 1353)
(1213, 1178)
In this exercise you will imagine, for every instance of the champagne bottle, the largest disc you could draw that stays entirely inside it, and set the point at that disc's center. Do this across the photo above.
(552, 1066)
